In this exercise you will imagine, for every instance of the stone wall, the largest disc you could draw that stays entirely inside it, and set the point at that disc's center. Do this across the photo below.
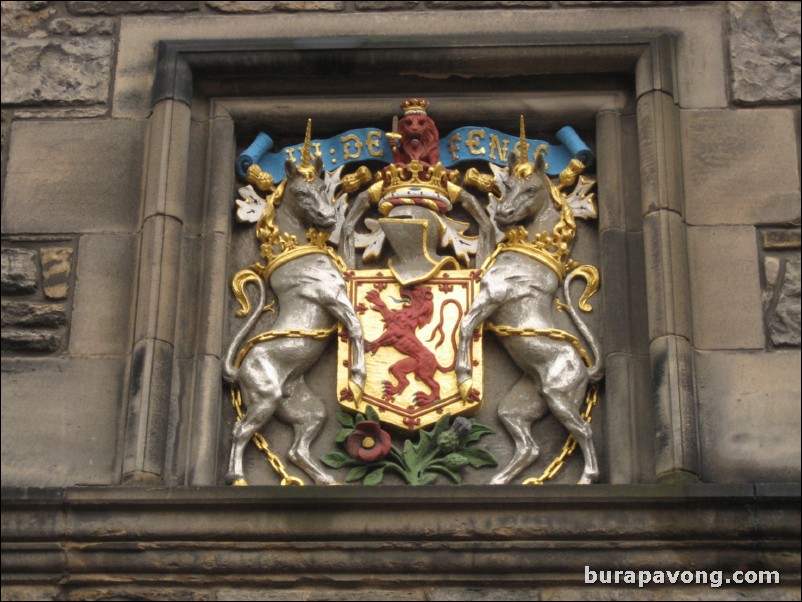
(114, 258)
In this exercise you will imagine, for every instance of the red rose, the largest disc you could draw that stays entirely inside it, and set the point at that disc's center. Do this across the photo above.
(368, 442)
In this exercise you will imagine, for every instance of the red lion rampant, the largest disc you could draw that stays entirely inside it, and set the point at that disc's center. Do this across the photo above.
(399, 333)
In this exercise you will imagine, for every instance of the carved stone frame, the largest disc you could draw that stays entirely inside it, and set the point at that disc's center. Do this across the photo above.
(176, 363)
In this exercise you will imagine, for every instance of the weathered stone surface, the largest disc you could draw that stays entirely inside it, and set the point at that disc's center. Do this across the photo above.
(457, 4)
(784, 321)
(13, 593)
(77, 399)
(67, 26)
(229, 6)
(765, 51)
(103, 295)
(299, 6)
(18, 269)
(679, 593)
(24, 17)
(56, 266)
(388, 5)
(261, 595)
(676, 443)
(771, 267)
(60, 70)
(61, 112)
(23, 313)
(666, 270)
(490, 594)
(91, 181)
(749, 418)
(123, 8)
(31, 340)
(724, 183)
(725, 288)
(780, 238)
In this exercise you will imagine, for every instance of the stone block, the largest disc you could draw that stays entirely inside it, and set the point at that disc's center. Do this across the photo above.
(158, 279)
(749, 421)
(61, 112)
(67, 26)
(619, 189)
(387, 5)
(628, 424)
(725, 284)
(660, 162)
(104, 295)
(780, 238)
(18, 273)
(229, 6)
(55, 70)
(90, 181)
(481, 594)
(22, 18)
(666, 269)
(740, 167)
(784, 308)
(308, 6)
(764, 51)
(149, 401)
(61, 421)
(676, 442)
(125, 8)
(56, 267)
(36, 315)
(167, 159)
(34, 341)
(459, 5)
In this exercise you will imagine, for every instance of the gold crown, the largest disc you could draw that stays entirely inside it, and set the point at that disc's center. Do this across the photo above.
(415, 106)
(433, 187)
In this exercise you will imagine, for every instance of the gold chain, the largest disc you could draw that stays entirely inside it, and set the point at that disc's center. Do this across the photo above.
(261, 444)
(591, 398)
(552, 333)
(570, 444)
(236, 397)
(293, 333)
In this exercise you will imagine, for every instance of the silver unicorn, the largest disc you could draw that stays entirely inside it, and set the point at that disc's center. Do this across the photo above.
(518, 291)
(311, 296)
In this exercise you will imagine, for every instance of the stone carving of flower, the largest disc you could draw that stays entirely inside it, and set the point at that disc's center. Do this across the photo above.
(368, 442)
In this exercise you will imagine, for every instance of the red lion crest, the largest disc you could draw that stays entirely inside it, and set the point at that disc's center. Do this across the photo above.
(419, 140)
(399, 333)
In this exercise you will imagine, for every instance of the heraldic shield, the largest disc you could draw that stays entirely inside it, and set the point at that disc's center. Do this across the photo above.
(411, 337)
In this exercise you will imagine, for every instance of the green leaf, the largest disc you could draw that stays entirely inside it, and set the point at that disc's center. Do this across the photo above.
(345, 419)
(410, 456)
(478, 431)
(359, 418)
(441, 426)
(425, 444)
(371, 414)
(454, 476)
(336, 459)
(478, 457)
(426, 479)
(374, 477)
(342, 435)
(356, 473)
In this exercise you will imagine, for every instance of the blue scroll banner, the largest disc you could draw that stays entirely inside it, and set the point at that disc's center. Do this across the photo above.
(468, 143)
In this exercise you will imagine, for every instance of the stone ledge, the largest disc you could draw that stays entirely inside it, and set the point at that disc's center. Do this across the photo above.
(399, 536)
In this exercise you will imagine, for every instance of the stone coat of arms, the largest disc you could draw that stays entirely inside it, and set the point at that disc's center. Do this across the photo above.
(409, 266)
